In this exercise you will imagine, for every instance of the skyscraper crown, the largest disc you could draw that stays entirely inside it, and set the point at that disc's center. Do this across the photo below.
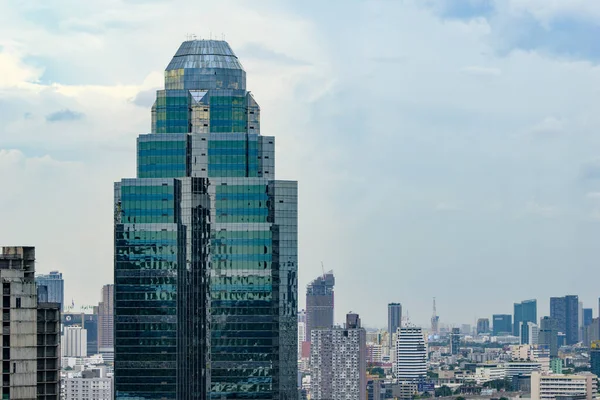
(203, 65)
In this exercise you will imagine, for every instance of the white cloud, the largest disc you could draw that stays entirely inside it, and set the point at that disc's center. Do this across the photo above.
(550, 126)
(481, 71)
(14, 73)
(547, 10)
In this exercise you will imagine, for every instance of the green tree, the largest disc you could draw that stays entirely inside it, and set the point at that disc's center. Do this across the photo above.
(424, 395)
(498, 384)
(377, 371)
(443, 391)
(460, 398)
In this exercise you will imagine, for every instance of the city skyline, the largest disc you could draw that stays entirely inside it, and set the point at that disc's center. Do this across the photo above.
(476, 152)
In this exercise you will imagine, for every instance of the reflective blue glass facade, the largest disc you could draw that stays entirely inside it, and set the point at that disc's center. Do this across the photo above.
(55, 287)
(205, 245)
(525, 311)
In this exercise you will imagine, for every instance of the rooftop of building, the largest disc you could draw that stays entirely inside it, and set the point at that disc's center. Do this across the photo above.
(204, 54)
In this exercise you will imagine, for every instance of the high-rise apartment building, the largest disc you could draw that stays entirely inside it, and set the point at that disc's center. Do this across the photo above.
(394, 320)
(92, 385)
(319, 303)
(502, 324)
(55, 287)
(30, 333)
(338, 361)
(106, 319)
(411, 355)
(205, 245)
(374, 353)
(565, 311)
(301, 331)
(455, 341)
(483, 325)
(548, 335)
(525, 311)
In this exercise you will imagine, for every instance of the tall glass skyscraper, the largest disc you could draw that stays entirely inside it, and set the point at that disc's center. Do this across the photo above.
(205, 245)
(565, 311)
(525, 311)
(394, 321)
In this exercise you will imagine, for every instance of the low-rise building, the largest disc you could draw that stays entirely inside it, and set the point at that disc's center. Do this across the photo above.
(488, 372)
(551, 387)
(92, 385)
(524, 368)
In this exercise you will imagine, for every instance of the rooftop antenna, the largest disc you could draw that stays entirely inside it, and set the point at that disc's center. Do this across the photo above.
(323, 268)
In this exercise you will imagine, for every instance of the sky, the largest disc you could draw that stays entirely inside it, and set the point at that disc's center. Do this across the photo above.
(443, 149)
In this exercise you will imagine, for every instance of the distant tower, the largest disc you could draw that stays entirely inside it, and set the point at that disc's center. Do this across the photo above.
(411, 355)
(435, 320)
(319, 303)
(483, 325)
(106, 319)
(454, 341)
(394, 320)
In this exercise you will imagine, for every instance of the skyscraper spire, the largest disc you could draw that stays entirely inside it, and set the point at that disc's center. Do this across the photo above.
(435, 321)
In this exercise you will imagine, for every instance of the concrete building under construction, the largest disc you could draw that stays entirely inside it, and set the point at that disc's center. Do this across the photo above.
(29, 343)
(319, 303)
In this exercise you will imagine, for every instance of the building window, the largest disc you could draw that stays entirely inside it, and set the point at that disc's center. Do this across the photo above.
(18, 305)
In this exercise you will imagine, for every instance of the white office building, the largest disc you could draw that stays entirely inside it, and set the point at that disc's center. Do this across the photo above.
(338, 362)
(374, 353)
(74, 342)
(489, 372)
(411, 355)
(524, 368)
(550, 387)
